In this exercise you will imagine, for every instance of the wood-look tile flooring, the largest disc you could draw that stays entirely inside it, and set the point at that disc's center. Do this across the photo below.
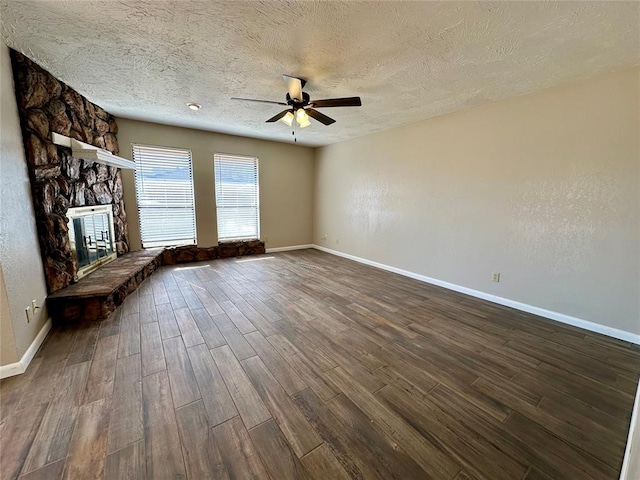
(303, 365)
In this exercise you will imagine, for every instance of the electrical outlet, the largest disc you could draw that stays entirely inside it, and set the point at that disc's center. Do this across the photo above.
(34, 306)
(323, 237)
(27, 311)
(495, 277)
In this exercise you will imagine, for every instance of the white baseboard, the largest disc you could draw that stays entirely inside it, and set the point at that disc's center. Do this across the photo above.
(11, 370)
(286, 249)
(559, 317)
(20, 367)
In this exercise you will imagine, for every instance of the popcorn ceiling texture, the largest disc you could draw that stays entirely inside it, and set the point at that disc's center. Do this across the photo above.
(407, 60)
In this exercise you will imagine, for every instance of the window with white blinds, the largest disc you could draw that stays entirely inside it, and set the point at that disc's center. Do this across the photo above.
(164, 189)
(237, 199)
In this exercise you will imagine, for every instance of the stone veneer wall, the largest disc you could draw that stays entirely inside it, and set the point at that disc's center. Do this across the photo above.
(193, 253)
(58, 180)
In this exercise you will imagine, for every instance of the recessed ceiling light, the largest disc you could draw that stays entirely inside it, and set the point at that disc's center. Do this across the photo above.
(194, 106)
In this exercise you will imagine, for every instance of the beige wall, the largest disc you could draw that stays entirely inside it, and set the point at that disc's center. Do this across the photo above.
(19, 249)
(542, 188)
(286, 180)
(8, 352)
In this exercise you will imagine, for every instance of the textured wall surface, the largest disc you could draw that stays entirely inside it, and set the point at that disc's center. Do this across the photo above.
(407, 60)
(285, 171)
(19, 250)
(8, 352)
(543, 189)
(58, 180)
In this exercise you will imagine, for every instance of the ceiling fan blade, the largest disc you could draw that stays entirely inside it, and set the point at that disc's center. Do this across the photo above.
(321, 117)
(258, 101)
(277, 117)
(294, 86)
(337, 102)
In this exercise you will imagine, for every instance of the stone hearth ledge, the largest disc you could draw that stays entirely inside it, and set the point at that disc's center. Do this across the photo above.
(97, 295)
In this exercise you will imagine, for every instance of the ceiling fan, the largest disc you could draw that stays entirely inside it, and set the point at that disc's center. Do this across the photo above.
(300, 107)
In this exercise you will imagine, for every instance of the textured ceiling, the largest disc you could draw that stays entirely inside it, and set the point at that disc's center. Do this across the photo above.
(407, 60)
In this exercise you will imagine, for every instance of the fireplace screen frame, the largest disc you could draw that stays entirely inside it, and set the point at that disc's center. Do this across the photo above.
(93, 227)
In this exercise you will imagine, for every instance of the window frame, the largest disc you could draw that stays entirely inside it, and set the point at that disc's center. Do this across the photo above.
(256, 162)
(139, 177)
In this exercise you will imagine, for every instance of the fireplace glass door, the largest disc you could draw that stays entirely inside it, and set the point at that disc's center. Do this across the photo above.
(91, 237)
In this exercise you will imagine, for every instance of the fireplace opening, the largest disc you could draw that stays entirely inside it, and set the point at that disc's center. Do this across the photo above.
(91, 237)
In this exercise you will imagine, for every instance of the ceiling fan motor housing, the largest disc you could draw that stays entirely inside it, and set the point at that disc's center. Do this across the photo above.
(296, 104)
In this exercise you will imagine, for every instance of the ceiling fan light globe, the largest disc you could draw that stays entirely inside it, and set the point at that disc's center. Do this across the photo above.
(288, 119)
(303, 123)
(301, 116)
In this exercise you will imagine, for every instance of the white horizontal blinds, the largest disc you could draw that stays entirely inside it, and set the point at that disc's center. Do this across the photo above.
(164, 189)
(237, 202)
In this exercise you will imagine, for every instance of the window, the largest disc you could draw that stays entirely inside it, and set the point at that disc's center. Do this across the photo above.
(164, 189)
(237, 197)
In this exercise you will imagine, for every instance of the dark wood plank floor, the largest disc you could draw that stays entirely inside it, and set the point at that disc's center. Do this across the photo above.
(303, 365)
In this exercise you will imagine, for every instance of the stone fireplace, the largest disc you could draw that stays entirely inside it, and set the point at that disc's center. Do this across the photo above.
(59, 180)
